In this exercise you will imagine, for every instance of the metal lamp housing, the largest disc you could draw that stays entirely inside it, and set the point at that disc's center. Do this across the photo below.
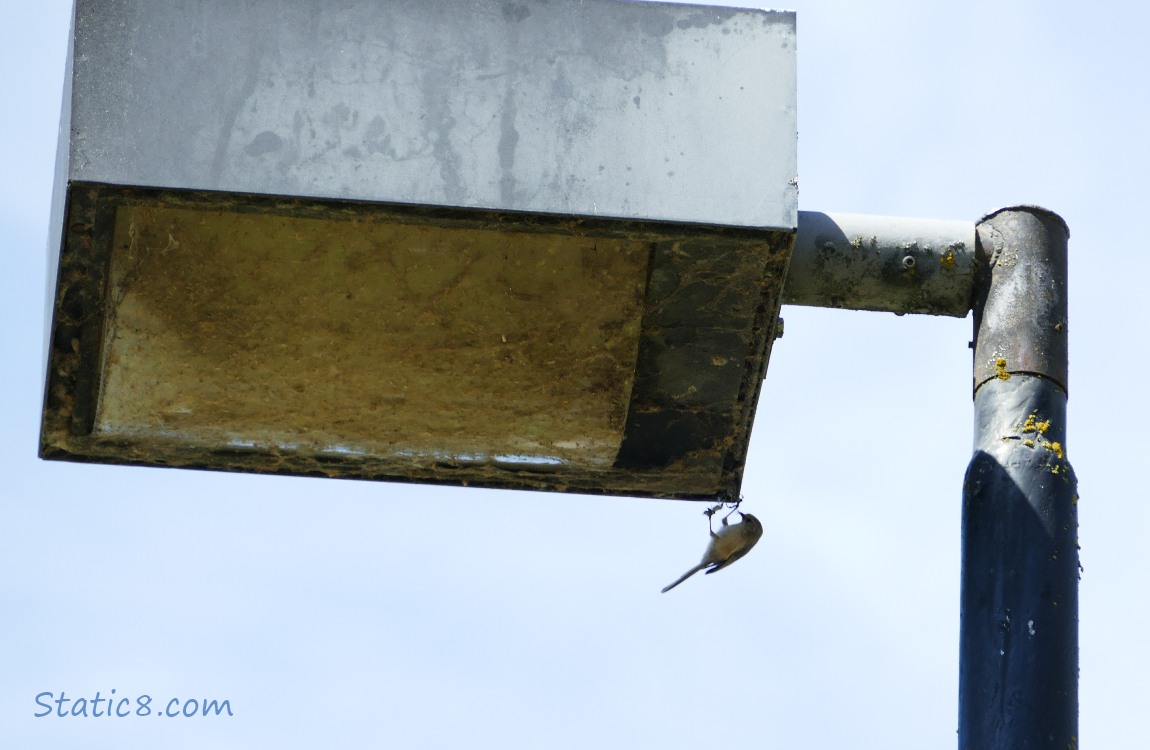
(507, 244)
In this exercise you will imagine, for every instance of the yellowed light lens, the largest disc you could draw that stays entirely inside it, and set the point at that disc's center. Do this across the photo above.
(367, 337)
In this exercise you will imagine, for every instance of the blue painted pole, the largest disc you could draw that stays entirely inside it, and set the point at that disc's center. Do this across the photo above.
(1018, 675)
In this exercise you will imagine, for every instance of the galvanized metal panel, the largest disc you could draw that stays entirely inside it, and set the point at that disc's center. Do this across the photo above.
(596, 108)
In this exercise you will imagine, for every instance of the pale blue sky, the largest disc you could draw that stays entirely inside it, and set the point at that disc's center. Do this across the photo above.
(371, 615)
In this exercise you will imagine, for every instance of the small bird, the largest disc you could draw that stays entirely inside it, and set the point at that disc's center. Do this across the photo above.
(729, 544)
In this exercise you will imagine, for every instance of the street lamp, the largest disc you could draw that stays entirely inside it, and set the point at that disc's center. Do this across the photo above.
(524, 244)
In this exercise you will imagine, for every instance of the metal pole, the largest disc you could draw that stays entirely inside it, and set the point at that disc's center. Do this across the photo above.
(1018, 652)
(885, 263)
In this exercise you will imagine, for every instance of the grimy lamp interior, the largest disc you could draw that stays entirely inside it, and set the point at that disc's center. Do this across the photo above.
(527, 245)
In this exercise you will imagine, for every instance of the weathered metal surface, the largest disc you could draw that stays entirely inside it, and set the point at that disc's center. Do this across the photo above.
(643, 154)
(1022, 316)
(360, 340)
(887, 263)
(1018, 654)
(596, 108)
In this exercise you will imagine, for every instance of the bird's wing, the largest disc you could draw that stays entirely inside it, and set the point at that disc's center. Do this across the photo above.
(735, 556)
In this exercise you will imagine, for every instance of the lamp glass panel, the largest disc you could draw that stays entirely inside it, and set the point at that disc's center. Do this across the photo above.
(354, 336)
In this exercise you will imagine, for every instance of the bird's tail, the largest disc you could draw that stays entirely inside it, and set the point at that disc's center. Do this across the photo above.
(684, 577)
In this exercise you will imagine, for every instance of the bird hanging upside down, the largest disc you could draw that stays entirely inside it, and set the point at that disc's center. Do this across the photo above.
(730, 543)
